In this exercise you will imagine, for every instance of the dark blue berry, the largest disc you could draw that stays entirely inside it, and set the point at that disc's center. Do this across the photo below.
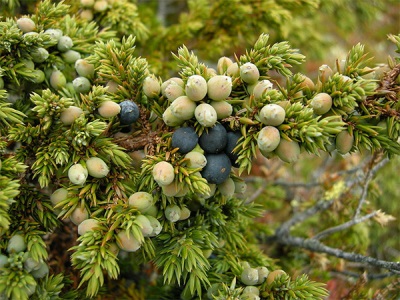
(233, 137)
(217, 169)
(129, 113)
(184, 138)
(214, 140)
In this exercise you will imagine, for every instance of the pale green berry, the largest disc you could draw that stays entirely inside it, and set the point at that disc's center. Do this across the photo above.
(250, 289)
(268, 139)
(70, 114)
(156, 225)
(87, 225)
(30, 264)
(183, 190)
(223, 65)
(55, 34)
(3, 261)
(249, 73)
(240, 186)
(183, 108)
(249, 276)
(206, 115)
(77, 174)
(261, 87)
(26, 24)
(16, 244)
(307, 83)
(170, 119)
(233, 70)
(185, 213)
(100, 5)
(321, 103)
(109, 109)
(127, 242)
(222, 108)
(219, 87)
(57, 80)
(113, 248)
(211, 72)
(227, 188)
(151, 211)
(87, 3)
(79, 215)
(196, 159)
(173, 80)
(163, 173)
(39, 55)
(71, 56)
(196, 87)
(288, 151)
(173, 91)
(344, 142)
(144, 224)
(58, 196)
(112, 86)
(324, 72)
(81, 85)
(272, 114)
(171, 189)
(86, 14)
(97, 167)
(64, 43)
(274, 274)
(172, 213)
(213, 188)
(207, 253)
(28, 63)
(262, 274)
(151, 86)
(38, 76)
(141, 201)
(84, 68)
(42, 271)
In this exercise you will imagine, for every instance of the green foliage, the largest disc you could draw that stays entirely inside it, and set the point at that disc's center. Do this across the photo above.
(45, 129)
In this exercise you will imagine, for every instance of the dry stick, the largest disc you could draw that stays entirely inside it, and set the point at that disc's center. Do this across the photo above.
(283, 236)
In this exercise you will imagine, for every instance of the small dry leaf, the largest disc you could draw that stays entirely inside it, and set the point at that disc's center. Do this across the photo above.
(383, 218)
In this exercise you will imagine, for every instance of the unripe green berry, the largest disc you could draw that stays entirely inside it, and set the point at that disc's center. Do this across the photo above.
(324, 72)
(307, 83)
(42, 271)
(84, 68)
(250, 289)
(196, 87)
(109, 109)
(274, 274)
(171, 189)
(222, 108)
(262, 274)
(87, 3)
(151, 211)
(87, 225)
(3, 261)
(213, 188)
(344, 142)
(261, 87)
(26, 24)
(288, 151)
(173, 91)
(69, 115)
(211, 72)
(38, 76)
(16, 244)
(185, 213)
(155, 224)
(183, 108)
(86, 14)
(170, 119)
(196, 159)
(249, 276)
(79, 215)
(233, 70)
(64, 43)
(71, 56)
(249, 73)
(57, 196)
(39, 55)
(77, 174)
(172, 213)
(223, 65)
(141, 201)
(321, 103)
(129, 244)
(183, 190)
(55, 34)
(97, 167)
(112, 86)
(219, 87)
(174, 81)
(240, 187)
(163, 173)
(81, 85)
(272, 114)
(100, 5)
(144, 224)
(227, 188)
(268, 139)
(57, 80)
(206, 115)
(151, 87)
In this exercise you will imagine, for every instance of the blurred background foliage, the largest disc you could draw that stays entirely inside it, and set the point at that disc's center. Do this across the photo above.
(323, 30)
